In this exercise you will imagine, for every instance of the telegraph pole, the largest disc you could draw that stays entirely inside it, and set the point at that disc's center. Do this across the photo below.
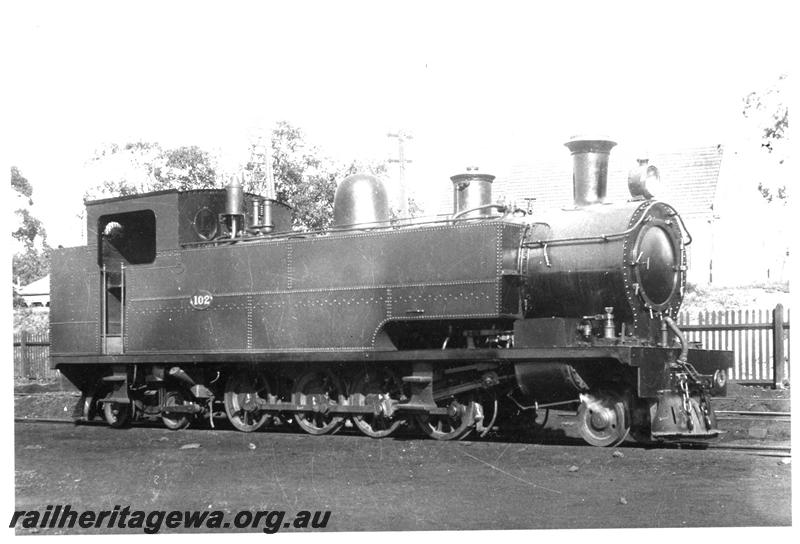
(260, 164)
(401, 159)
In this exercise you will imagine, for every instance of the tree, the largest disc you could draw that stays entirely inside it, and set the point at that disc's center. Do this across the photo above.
(21, 185)
(768, 110)
(304, 177)
(184, 168)
(302, 180)
(122, 170)
(31, 259)
(141, 167)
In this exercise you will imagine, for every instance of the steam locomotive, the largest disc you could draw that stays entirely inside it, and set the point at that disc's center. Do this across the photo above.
(199, 305)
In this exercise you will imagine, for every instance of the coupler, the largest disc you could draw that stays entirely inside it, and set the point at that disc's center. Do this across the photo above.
(682, 411)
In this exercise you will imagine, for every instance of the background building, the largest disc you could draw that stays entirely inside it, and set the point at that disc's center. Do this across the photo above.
(737, 236)
(37, 293)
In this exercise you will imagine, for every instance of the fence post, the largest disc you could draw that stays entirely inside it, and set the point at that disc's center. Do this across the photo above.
(24, 356)
(778, 374)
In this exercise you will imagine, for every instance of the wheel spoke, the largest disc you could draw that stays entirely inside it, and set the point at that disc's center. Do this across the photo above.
(175, 421)
(243, 389)
(368, 389)
(318, 388)
(447, 427)
(116, 414)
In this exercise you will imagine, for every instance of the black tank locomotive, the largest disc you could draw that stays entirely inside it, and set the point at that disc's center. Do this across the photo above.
(205, 304)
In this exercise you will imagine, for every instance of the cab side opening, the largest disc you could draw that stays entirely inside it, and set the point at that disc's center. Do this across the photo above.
(125, 239)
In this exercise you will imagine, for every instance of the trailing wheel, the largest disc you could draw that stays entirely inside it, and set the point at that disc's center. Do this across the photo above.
(320, 390)
(116, 414)
(89, 408)
(370, 389)
(456, 424)
(245, 393)
(603, 419)
(174, 421)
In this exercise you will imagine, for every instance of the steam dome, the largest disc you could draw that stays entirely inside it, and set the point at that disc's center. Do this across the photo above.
(361, 200)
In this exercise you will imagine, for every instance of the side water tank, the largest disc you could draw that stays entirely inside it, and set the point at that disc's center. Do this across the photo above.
(361, 201)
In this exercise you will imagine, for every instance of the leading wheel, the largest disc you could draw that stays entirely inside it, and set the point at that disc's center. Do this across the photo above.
(116, 414)
(320, 390)
(245, 394)
(603, 419)
(371, 388)
(174, 421)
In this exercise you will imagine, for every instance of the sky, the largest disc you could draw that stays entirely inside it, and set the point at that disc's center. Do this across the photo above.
(475, 83)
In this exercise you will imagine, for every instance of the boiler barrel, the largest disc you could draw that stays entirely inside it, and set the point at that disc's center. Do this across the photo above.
(627, 256)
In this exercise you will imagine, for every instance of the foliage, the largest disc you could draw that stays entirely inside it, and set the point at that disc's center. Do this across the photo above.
(29, 228)
(31, 259)
(377, 169)
(763, 296)
(773, 111)
(34, 321)
(768, 110)
(185, 168)
(21, 185)
(30, 231)
(413, 210)
(141, 167)
(304, 178)
(30, 264)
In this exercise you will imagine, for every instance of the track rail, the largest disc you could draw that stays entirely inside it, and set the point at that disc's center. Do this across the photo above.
(750, 413)
(55, 420)
(751, 448)
(766, 450)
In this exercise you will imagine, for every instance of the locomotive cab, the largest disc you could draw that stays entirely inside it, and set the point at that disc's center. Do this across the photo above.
(127, 237)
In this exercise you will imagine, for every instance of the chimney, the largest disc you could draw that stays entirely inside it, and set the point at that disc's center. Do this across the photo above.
(590, 169)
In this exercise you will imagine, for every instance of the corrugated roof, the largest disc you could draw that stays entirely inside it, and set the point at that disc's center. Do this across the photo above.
(688, 180)
(38, 287)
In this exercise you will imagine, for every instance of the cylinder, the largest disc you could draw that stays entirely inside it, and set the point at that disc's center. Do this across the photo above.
(255, 212)
(234, 197)
(266, 216)
(590, 169)
(472, 190)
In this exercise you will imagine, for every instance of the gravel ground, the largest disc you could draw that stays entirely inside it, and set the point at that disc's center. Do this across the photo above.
(396, 483)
